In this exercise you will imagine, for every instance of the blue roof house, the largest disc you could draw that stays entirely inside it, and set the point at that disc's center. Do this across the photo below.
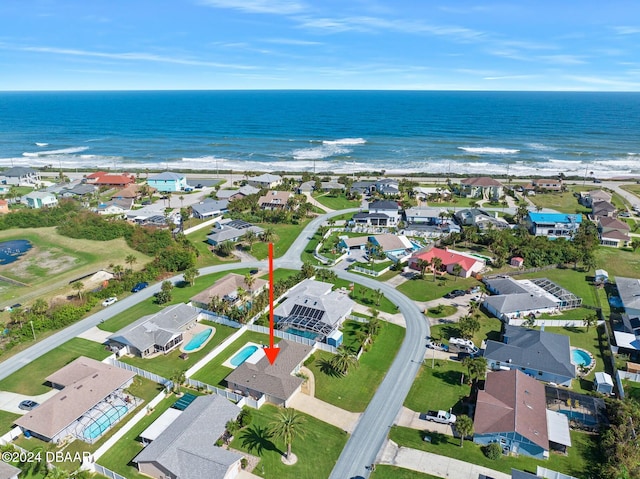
(168, 181)
(553, 225)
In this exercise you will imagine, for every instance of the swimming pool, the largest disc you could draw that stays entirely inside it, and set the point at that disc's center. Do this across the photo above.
(303, 334)
(198, 340)
(243, 355)
(103, 422)
(581, 358)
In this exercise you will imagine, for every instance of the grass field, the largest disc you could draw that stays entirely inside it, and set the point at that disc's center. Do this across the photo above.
(30, 378)
(167, 364)
(181, 294)
(55, 260)
(6, 421)
(618, 263)
(583, 456)
(214, 372)
(286, 235)
(354, 391)
(384, 471)
(438, 387)
(441, 312)
(563, 202)
(489, 329)
(633, 189)
(367, 297)
(426, 289)
(279, 274)
(578, 282)
(205, 256)
(317, 451)
(339, 202)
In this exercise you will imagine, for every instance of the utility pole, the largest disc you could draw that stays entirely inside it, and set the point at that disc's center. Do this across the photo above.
(33, 330)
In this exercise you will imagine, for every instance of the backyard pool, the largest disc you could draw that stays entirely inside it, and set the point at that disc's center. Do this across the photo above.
(243, 355)
(104, 422)
(581, 358)
(198, 340)
(303, 334)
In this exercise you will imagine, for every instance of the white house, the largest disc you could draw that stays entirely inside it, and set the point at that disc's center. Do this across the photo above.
(266, 180)
(40, 199)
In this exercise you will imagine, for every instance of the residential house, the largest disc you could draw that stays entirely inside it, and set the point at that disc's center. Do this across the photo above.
(102, 178)
(231, 230)
(363, 187)
(542, 355)
(589, 198)
(306, 187)
(168, 181)
(227, 288)
(40, 199)
(78, 191)
(424, 193)
(518, 299)
(274, 200)
(603, 208)
(480, 218)
(381, 213)
(331, 186)
(131, 192)
(482, 187)
(613, 232)
(628, 340)
(20, 176)
(277, 382)
(395, 247)
(4, 207)
(356, 242)
(265, 181)
(469, 265)
(387, 187)
(512, 411)
(312, 308)
(90, 390)
(545, 184)
(426, 215)
(241, 192)
(553, 225)
(209, 208)
(7, 471)
(115, 207)
(161, 332)
(187, 448)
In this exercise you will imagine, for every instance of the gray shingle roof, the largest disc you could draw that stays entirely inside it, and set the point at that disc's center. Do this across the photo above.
(186, 448)
(18, 171)
(384, 205)
(533, 349)
(156, 328)
(505, 286)
(512, 303)
(7, 471)
(629, 291)
(209, 206)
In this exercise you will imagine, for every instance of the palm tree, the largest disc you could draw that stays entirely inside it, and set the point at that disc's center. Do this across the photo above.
(117, 270)
(476, 367)
(287, 426)
(57, 473)
(344, 360)
(249, 238)
(181, 198)
(268, 235)
(464, 426)
(436, 264)
(130, 260)
(190, 275)
(457, 269)
(422, 266)
(78, 286)
(590, 320)
(249, 280)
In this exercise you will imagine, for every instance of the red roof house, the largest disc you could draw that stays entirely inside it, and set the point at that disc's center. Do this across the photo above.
(101, 178)
(469, 264)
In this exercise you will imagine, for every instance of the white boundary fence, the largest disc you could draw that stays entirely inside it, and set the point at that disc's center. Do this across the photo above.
(106, 472)
(292, 337)
(194, 383)
(217, 318)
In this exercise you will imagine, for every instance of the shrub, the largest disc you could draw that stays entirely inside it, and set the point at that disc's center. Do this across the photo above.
(493, 451)
(245, 417)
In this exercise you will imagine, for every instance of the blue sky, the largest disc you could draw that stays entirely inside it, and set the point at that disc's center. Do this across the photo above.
(320, 44)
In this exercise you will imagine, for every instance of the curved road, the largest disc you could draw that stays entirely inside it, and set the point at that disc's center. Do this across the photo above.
(372, 429)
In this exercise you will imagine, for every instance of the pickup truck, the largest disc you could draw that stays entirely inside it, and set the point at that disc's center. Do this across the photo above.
(443, 417)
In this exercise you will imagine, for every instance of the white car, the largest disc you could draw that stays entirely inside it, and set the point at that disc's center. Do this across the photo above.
(109, 301)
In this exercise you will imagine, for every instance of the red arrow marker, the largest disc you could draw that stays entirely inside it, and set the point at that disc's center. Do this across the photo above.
(272, 351)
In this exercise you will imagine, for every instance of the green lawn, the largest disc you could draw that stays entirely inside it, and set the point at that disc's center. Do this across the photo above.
(279, 274)
(339, 202)
(166, 365)
(119, 457)
(617, 262)
(307, 255)
(30, 378)
(388, 275)
(286, 234)
(384, 471)
(563, 202)
(205, 256)
(631, 389)
(578, 282)
(317, 451)
(441, 311)
(634, 189)
(438, 387)
(489, 329)
(577, 314)
(6, 421)
(426, 289)
(367, 297)
(214, 372)
(582, 459)
(354, 391)
(181, 294)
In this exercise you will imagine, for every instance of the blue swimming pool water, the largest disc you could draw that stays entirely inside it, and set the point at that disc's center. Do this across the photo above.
(198, 340)
(304, 334)
(581, 358)
(102, 423)
(243, 355)
(615, 301)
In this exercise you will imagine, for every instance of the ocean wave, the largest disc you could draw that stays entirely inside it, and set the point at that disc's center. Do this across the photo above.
(319, 152)
(541, 147)
(64, 151)
(345, 141)
(42, 144)
(488, 150)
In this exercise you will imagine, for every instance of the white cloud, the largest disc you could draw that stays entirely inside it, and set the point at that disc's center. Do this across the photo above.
(626, 30)
(292, 41)
(564, 59)
(278, 7)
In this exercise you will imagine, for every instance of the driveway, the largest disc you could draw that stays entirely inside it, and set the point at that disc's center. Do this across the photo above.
(324, 411)
(408, 418)
(9, 401)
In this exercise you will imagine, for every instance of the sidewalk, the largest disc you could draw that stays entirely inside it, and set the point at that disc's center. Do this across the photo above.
(433, 464)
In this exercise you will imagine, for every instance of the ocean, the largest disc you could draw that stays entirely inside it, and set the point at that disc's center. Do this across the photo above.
(515, 133)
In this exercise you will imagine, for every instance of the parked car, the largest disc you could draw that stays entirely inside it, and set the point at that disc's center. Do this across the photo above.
(443, 417)
(431, 344)
(475, 289)
(28, 405)
(199, 186)
(139, 287)
(188, 188)
(253, 271)
(455, 293)
(109, 301)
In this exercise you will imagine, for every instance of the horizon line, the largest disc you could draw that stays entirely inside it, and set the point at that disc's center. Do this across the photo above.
(312, 89)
